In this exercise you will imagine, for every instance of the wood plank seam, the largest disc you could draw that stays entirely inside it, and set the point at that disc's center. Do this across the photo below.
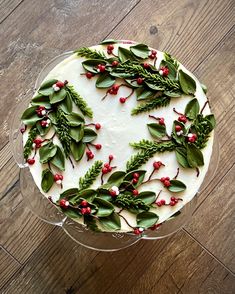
(12, 11)
(208, 252)
(12, 256)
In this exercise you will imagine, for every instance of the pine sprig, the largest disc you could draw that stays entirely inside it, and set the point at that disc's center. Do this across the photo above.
(148, 149)
(79, 101)
(137, 70)
(127, 201)
(90, 176)
(90, 54)
(28, 145)
(153, 104)
(62, 129)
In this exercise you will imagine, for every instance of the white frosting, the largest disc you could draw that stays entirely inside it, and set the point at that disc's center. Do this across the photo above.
(119, 128)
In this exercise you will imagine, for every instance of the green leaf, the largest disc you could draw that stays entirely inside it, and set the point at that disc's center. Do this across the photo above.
(194, 156)
(47, 151)
(157, 130)
(172, 94)
(146, 219)
(140, 50)
(41, 100)
(181, 156)
(89, 135)
(176, 186)
(52, 117)
(77, 150)
(91, 65)
(105, 208)
(187, 83)
(69, 193)
(104, 194)
(76, 133)
(47, 180)
(179, 139)
(91, 223)
(129, 177)
(58, 96)
(133, 83)
(104, 81)
(72, 213)
(91, 175)
(211, 119)
(148, 197)
(172, 69)
(154, 87)
(192, 109)
(204, 88)
(115, 179)
(75, 119)
(88, 194)
(30, 117)
(59, 160)
(143, 94)
(125, 54)
(111, 222)
(42, 131)
(108, 41)
(46, 87)
(67, 105)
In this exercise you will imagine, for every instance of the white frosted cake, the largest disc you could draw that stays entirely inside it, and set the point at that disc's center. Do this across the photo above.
(119, 136)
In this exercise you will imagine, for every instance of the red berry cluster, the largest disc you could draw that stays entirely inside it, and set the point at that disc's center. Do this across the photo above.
(89, 154)
(138, 231)
(135, 178)
(174, 201)
(114, 89)
(85, 208)
(164, 71)
(146, 65)
(38, 142)
(64, 203)
(58, 177)
(192, 138)
(178, 128)
(107, 167)
(166, 181)
(45, 123)
(155, 227)
(41, 111)
(157, 165)
(182, 118)
(110, 49)
(153, 54)
(61, 84)
(101, 68)
(161, 202)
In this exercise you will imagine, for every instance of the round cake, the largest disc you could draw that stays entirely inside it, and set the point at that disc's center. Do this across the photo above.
(119, 136)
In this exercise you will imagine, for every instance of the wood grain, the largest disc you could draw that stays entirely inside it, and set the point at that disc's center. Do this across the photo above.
(8, 267)
(7, 7)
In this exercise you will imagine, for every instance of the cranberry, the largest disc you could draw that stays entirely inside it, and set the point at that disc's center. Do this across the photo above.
(105, 170)
(167, 183)
(115, 87)
(97, 126)
(89, 75)
(173, 198)
(31, 161)
(84, 203)
(172, 203)
(157, 165)
(163, 179)
(137, 231)
(122, 100)
(135, 181)
(135, 192)
(113, 193)
(111, 157)
(98, 146)
(84, 211)
(163, 202)
(110, 168)
(43, 123)
(101, 67)
(158, 203)
(161, 121)
(57, 177)
(178, 128)
(136, 175)
(88, 210)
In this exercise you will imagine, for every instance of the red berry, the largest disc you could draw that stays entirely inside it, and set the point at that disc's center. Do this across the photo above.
(135, 192)
(182, 119)
(158, 203)
(178, 128)
(89, 75)
(110, 168)
(176, 200)
(146, 65)
(113, 193)
(60, 84)
(115, 87)
(97, 126)
(139, 81)
(57, 177)
(122, 99)
(88, 210)
(61, 177)
(31, 161)
(110, 47)
(84, 203)
(64, 203)
(157, 165)
(167, 183)
(115, 63)
(163, 202)
(173, 198)
(163, 179)
(98, 146)
(22, 130)
(136, 175)
(161, 121)
(91, 156)
(43, 123)
(88, 153)
(101, 67)
(105, 170)
(110, 157)
(137, 231)
(154, 227)
(135, 181)
(172, 203)
(83, 210)
(165, 71)
(37, 141)
(109, 51)
(106, 165)
(167, 179)
(154, 52)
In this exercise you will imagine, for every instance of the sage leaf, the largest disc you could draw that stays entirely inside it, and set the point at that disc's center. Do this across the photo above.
(41, 100)
(172, 94)
(212, 121)
(105, 80)
(89, 135)
(47, 180)
(194, 156)
(67, 105)
(140, 50)
(59, 159)
(181, 156)
(88, 194)
(148, 197)
(75, 119)
(111, 222)
(192, 109)
(69, 193)
(115, 179)
(172, 69)
(30, 117)
(48, 84)
(125, 54)
(108, 41)
(129, 177)
(91, 65)
(104, 194)
(154, 87)
(47, 151)
(77, 150)
(52, 117)
(133, 83)
(76, 133)
(105, 208)
(42, 131)
(204, 88)
(157, 130)
(187, 83)
(176, 186)
(146, 219)
(142, 94)
(58, 96)
(72, 212)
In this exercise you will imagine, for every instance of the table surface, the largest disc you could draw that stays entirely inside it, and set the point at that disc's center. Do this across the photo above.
(36, 257)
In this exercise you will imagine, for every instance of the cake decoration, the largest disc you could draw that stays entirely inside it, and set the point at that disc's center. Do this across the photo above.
(61, 129)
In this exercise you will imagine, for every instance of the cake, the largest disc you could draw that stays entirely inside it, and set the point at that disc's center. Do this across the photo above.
(119, 136)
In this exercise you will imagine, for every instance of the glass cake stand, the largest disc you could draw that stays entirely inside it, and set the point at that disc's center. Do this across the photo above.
(45, 210)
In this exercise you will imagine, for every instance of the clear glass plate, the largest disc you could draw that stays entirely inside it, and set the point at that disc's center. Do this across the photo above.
(46, 211)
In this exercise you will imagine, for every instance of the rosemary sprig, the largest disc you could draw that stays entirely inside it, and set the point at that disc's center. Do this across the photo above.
(62, 129)
(91, 54)
(90, 176)
(28, 145)
(150, 105)
(79, 101)
(137, 70)
(127, 201)
(148, 149)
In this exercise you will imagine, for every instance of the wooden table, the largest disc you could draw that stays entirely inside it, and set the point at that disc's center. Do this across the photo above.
(38, 258)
